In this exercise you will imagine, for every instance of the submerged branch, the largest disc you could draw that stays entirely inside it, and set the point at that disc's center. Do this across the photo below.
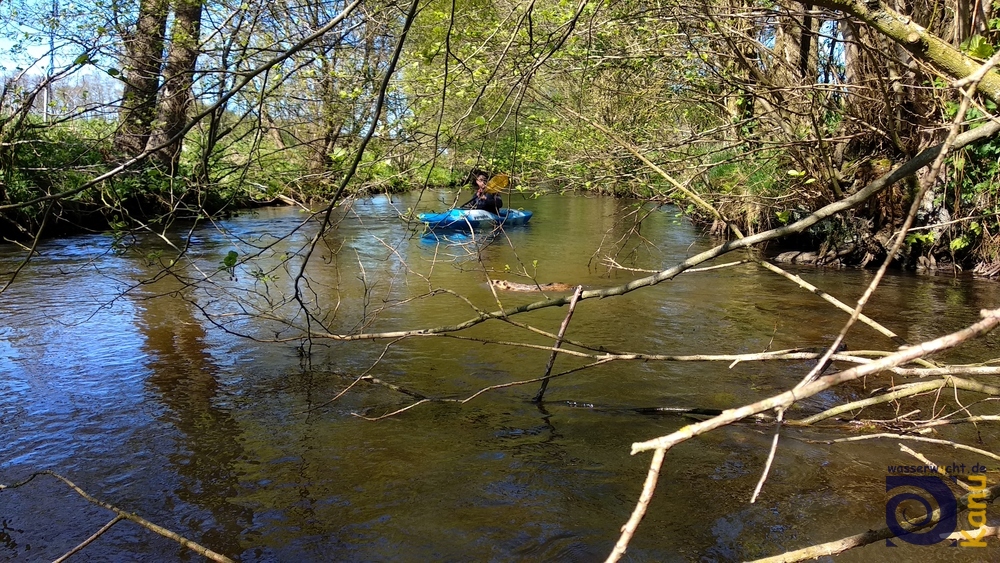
(557, 344)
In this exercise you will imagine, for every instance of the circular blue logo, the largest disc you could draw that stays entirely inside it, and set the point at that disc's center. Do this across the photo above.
(916, 526)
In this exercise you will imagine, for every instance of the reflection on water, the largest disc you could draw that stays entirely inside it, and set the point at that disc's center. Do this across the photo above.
(170, 397)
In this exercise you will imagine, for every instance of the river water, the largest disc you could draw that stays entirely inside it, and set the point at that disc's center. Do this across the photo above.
(172, 386)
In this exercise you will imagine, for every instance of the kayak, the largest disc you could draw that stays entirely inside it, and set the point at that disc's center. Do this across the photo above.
(468, 219)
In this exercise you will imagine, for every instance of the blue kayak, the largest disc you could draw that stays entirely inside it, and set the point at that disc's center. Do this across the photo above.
(469, 219)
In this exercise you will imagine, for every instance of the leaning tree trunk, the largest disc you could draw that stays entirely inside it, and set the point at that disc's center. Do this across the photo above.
(918, 41)
(175, 97)
(141, 72)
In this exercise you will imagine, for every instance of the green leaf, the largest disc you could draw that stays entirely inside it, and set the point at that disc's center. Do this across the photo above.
(922, 238)
(977, 46)
(230, 260)
(82, 59)
(113, 72)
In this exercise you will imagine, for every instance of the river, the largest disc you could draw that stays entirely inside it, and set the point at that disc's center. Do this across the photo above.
(174, 387)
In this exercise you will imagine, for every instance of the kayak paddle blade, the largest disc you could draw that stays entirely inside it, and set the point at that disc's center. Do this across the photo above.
(497, 183)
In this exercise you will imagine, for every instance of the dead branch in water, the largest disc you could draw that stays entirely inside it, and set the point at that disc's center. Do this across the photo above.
(90, 540)
(955, 445)
(881, 534)
(558, 343)
(989, 494)
(123, 515)
(834, 301)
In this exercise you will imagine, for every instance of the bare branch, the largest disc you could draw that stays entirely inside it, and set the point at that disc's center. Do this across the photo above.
(193, 546)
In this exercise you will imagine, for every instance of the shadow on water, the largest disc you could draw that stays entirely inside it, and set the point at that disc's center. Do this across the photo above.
(208, 449)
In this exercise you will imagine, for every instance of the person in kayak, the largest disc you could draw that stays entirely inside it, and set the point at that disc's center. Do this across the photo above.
(483, 199)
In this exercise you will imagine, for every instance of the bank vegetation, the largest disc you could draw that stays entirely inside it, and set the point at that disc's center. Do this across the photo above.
(121, 115)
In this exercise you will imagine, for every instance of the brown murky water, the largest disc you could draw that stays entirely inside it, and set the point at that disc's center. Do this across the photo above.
(143, 389)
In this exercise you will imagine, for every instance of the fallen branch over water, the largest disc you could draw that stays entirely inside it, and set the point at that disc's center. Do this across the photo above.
(991, 318)
(924, 439)
(833, 301)
(908, 390)
(793, 354)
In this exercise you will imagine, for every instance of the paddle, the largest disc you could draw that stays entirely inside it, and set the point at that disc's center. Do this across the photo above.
(496, 185)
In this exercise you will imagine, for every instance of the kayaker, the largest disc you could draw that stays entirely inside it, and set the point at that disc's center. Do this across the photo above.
(483, 199)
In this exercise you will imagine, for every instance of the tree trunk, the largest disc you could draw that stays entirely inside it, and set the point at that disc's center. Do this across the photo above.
(141, 72)
(795, 42)
(175, 96)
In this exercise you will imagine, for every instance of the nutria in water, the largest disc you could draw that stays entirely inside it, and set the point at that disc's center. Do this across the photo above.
(514, 286)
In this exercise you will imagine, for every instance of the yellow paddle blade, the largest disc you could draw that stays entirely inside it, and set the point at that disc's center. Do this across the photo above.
(498, 183)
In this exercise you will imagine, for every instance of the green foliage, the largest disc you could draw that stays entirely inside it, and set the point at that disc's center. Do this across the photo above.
(978, 47)
(40, 159)
(974, 189)
(926, 239)
(960, 243)
(745, 188)
(229, 263)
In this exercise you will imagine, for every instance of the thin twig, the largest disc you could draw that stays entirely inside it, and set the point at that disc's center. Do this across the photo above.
(611, 263)
(834, 301)
(971, 419)
(955, 445)
(558, 343)
(88, 541)
(193, 546)
(928, 463)
(395, 412)
(770, 457)
(628, 530)
(479, 392)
